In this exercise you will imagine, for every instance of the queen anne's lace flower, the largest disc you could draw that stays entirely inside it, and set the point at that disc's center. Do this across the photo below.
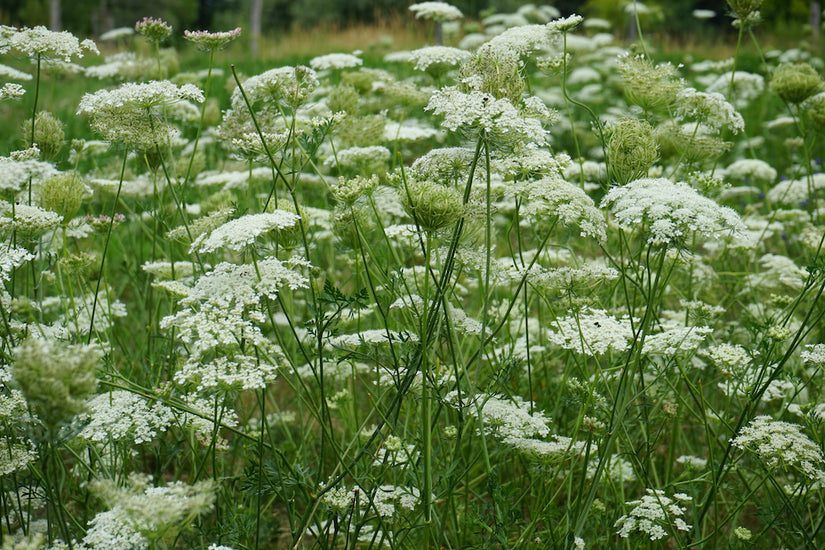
(443, 56)
(11, 91)
(238, 372)
(553, 196)
(711, 109)
(751, 169)
(782, 445)
(10, 258)
(229, 285)
(482, 111)
(669, 211)
(592, 332)
(654, 514)
(335, 61)
(133, 112)
(675, 339)
(438, 11)
(211, 41)
(503, 417)
(42, 42)
(239, 233)
(288, 86)
(124, 416)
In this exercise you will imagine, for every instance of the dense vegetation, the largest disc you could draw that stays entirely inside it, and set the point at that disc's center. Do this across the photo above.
(534, 289)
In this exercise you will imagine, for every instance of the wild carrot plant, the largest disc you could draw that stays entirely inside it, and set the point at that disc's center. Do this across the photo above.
(404, 303)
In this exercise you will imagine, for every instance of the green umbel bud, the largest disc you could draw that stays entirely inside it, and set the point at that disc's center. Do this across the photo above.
(744, 9)
(433, 206)
(796, 82)
(496, 72)
(817, 113)
(48, 134)
(631, 149)
(63, 194)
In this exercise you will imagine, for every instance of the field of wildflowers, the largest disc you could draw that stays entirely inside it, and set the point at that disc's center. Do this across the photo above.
(534, 289)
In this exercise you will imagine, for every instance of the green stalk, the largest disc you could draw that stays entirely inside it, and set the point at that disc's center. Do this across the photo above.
(34, 114)
(426, 413)
(106, 245)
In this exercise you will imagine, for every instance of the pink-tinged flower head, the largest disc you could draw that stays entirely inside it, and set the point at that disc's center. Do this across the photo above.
(211, 41)
(155, 30)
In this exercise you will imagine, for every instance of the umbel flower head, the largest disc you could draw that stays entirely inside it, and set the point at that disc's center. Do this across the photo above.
(817, 112)
(48, 133)
(796, 82)
(632, 149)
(211, 41)
(157, 513)
(654, 514)
(155, 30)
(63, 194)
(56, 378)
(41, 42)
(669, 211)
(133, 114)
(433, 206)
(288, 86)
(649, 86)
(242, 232)
(437, 11)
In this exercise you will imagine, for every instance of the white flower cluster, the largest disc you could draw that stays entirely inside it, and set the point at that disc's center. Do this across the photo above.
(670, 210)
(124, 416)
(795, 192)
(241, 371)
(385, 499)
(27, 219)
(530, 161)
(16, 456)
(438, 11)
(653, 514)
(11, 91)
(782, 445)
(153, 512)
(135, 95)
(111, 530)
(229, 286)
(438, 55)
(617, 470)
(133, 113)
(285, 85)
(523, 39)
(242, 232)
(675, 339)
(567, 278)
(335, 61)
(592, 332)
(814, 355)
(779, 273)
(553, 196)
(40, 41)
(10, 258)
(711, 109)
(751, 169)
(395, 452)
(543, 451)
(212, 327)
(353, 157)
(371, 337)
(503, 417)
(482, 111)
(14, 74)
(746, 86)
